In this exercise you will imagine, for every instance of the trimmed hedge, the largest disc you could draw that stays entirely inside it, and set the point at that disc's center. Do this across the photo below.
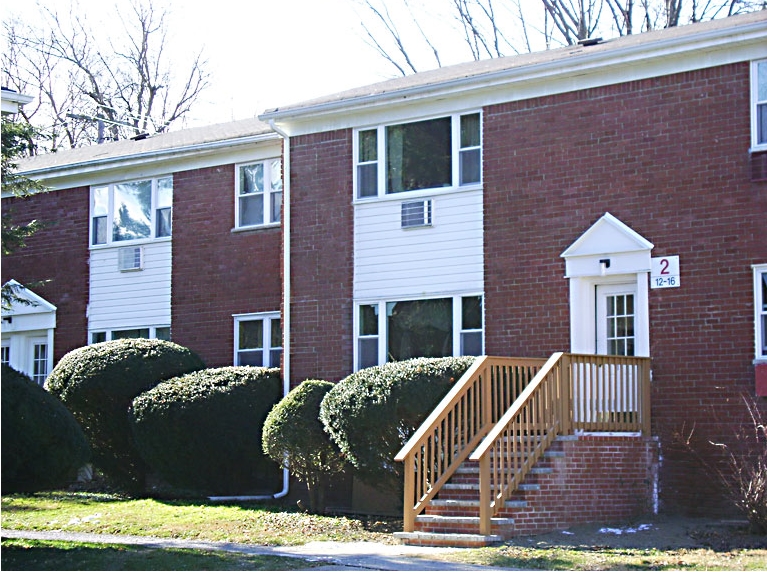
(98, 384)
(202, 431)
(42, 444)
(372, 413)
(295, 438)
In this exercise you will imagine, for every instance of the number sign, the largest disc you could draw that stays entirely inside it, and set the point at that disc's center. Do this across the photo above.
(665, 272)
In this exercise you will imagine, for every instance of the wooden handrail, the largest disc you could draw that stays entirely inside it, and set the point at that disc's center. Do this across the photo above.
(505, 412)
(457, 425)
(518, 440)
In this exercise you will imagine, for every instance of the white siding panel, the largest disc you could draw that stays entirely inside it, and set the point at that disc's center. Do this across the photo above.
(391, 262)
(130, 299)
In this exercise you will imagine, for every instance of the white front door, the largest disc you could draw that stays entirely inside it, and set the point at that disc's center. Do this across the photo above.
(617, 315)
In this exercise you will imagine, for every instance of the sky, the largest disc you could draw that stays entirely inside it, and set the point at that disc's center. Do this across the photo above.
(261, 53)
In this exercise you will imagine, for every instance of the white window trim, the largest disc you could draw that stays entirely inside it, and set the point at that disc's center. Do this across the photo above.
(455, 127)
(267, 318)
(6, 345)
(759, 341)
(109, 331)
(267, 195)
(110, 215)
(755, 145)
(382, 329)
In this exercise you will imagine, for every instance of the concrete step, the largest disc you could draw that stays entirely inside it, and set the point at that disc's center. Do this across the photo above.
(460, 524)
(452, 540)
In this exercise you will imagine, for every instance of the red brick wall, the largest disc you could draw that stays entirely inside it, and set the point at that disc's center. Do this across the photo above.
(321, 256)
(603, 479)
(58, 253)
(670, 158)
(217, 272)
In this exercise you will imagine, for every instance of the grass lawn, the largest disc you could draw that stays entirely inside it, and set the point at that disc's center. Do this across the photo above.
(275, 524)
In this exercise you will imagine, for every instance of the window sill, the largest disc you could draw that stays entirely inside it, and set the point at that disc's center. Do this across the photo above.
(240, 229)
(409, 195)
(124, 243)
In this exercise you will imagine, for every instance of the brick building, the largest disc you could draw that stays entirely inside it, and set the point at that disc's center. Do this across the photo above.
(606, 199)
(541, 189)
(115, 266)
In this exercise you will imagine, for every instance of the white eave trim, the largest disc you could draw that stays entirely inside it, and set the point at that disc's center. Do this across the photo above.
(590, 68)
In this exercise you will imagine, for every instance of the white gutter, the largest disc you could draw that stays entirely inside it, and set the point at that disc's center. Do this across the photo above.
(285, 311)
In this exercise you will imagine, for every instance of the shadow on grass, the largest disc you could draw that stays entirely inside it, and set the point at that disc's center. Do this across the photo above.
(19, 554)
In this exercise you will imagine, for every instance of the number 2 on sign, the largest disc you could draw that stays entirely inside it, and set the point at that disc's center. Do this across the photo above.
(664, 267)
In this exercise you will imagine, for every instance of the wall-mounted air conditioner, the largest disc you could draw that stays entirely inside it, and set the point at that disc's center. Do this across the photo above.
(130, 258)
(416, 213)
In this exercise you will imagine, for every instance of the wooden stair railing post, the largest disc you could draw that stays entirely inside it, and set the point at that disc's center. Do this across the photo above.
(409, 513)
(565, 396)
(485, 508)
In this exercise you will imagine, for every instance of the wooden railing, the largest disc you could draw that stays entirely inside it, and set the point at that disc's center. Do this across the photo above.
(570, 392)
(457, 425)
(612, 393)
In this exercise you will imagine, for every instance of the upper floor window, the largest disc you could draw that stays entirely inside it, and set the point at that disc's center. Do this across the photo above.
(759, 106)
(760, 302)
(259, 193)
(258, 340)
(430, 154)
(133, 210)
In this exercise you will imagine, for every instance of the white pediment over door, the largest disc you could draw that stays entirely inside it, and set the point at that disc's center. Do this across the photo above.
(610, 239)
(609, 255)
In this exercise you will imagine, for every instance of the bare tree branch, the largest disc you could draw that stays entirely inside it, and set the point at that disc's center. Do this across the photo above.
(92, 86)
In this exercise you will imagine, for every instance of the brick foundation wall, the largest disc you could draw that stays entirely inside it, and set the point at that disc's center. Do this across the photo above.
(598, 478)
(669, 157)
(321, 256)
(217, 272)
(59, 254)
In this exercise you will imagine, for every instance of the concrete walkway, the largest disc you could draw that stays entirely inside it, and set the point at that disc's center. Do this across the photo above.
(334, 555)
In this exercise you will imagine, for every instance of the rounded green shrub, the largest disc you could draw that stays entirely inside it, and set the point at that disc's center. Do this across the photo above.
(295, 438)
(372, 413)
(202, 431)
(98, 383)
(42, 443)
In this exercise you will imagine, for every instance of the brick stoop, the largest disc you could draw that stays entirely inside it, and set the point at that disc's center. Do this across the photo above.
(588, 472)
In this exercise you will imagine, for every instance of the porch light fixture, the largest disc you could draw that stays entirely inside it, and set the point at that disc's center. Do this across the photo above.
(604, 264)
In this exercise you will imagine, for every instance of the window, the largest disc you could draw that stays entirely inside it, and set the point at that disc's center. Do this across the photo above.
(5, 355)
(133, 210)
(434, 327)
(151, 332)
(759, 99)
(430, 154)
(760, 302)
(39, 362)
(258, 340)
(259, 193)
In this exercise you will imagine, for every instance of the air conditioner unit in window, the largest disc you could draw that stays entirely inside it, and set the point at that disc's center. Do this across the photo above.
(130, 258)
(416, 213)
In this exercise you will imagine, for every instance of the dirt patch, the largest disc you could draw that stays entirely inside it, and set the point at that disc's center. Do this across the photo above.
(660, 531)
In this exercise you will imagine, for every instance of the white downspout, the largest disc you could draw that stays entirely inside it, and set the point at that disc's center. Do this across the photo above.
(286, 307)
(285, 278)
